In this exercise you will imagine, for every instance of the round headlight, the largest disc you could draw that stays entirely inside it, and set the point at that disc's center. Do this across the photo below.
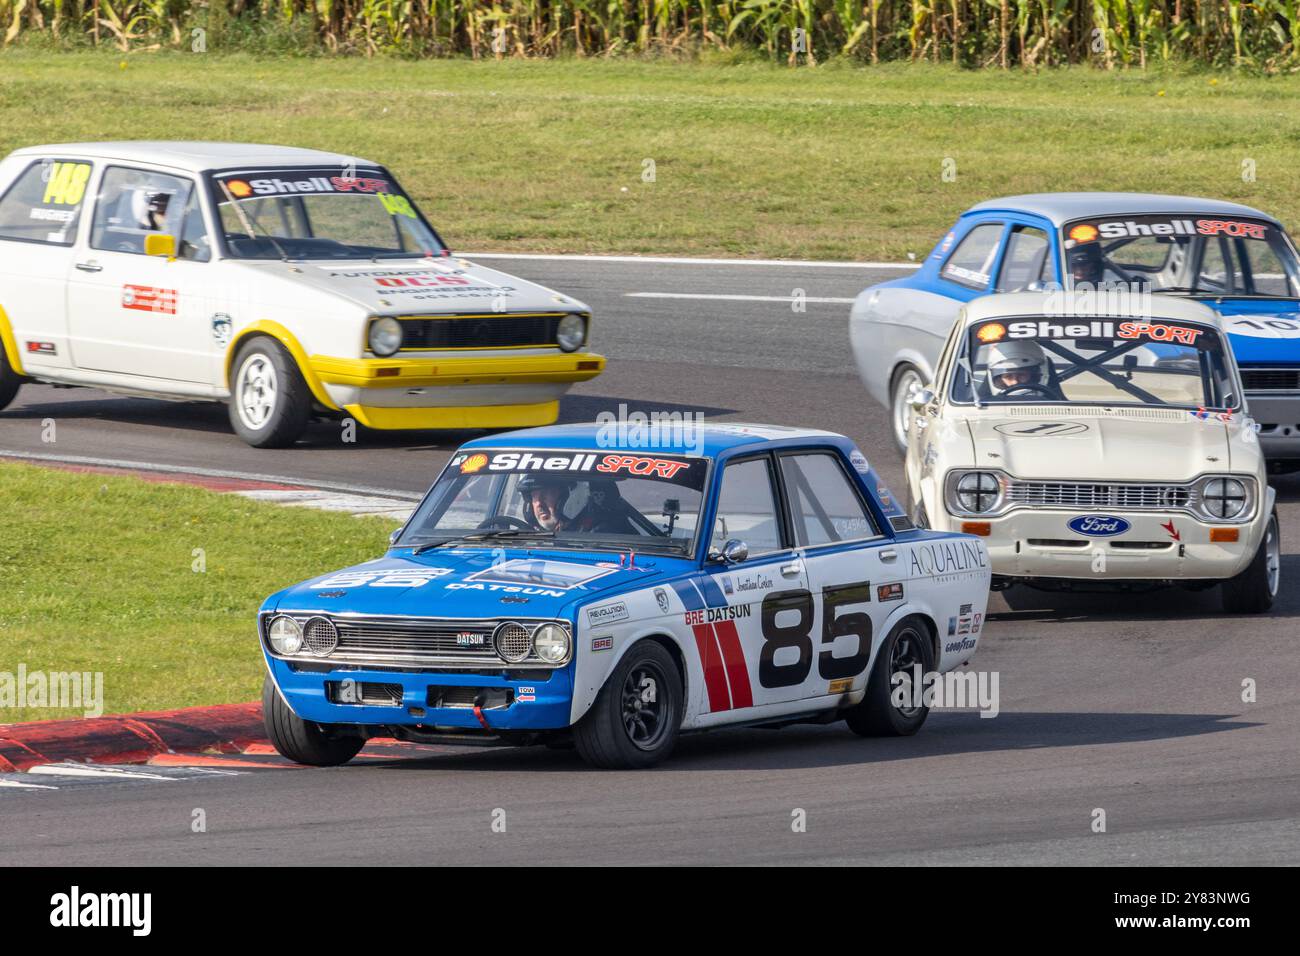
(385, 336)
(285, 635)
(320, 636)
(512, 641)
(977, 492)
(1224, 497)
(551, 643)
(571, 332)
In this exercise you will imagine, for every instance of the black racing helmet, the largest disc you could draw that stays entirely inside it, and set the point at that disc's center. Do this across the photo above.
(532, 482)
(1086, 263)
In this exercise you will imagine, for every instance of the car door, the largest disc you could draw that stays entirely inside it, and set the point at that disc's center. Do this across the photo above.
(40, 214)
(136, 314)
(855, 576)
(730, 605)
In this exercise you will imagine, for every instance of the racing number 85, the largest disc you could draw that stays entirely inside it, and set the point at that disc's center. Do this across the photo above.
(799, 635)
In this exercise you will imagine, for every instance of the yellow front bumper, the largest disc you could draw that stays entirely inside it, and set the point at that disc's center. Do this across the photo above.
(460, 416)
(428, 372)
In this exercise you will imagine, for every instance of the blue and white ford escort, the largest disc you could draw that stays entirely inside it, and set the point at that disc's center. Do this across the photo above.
(572, 584)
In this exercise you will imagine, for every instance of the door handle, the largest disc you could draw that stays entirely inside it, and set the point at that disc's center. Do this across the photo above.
(889, 554)
(793, 568)
(91, 266)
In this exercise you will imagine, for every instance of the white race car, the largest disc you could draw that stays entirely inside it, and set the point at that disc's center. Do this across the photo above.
(281, 281)
(1097, 441)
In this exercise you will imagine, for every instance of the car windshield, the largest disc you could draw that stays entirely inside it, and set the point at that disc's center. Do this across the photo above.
(1191, 255)
(326, 213)
(575, 500)
(1094, 361)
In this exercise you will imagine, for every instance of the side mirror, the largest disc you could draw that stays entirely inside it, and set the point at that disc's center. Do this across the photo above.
(919, 398)
(734, 551)
(392, 538)
(160, 244)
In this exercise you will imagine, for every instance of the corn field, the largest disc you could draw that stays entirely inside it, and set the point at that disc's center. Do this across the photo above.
(970, 33)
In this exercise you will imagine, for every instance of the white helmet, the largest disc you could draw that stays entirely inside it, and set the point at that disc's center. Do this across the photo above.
(1006, 358)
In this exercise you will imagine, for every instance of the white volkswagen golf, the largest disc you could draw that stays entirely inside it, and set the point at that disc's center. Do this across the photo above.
(285, 282)
(1097, 440)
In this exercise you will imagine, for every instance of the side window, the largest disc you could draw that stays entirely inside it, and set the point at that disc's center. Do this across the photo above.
(1216, 273)
(44, 204)
(747, 508)
(1027, 258)
(134, 203)
(971, 263)
(824, 505)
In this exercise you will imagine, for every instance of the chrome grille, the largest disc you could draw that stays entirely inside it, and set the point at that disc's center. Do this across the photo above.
(394, 639)
(1097, 496)
(419, 642)
(1271, 379)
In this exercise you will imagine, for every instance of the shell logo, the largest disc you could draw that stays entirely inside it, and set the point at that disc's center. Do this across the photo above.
(239, 189)
(473, 463)
(993, 332)
(1083, 233)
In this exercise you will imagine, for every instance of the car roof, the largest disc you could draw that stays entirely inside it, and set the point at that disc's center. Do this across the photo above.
(1061, 208)
(197, 157)
(1085, 305)
(709, 439)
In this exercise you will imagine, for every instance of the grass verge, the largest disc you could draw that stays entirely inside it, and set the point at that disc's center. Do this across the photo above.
(99, 575)
(749, 159)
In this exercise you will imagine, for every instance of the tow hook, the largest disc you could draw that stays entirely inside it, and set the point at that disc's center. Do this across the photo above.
(478, 712)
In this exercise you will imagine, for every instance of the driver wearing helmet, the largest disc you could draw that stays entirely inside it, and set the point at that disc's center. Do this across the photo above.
(544, 498)
(1087, 266)
(605, 512)
(1017, 369)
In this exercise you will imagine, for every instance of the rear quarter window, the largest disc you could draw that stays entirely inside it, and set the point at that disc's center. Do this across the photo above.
(44, 203)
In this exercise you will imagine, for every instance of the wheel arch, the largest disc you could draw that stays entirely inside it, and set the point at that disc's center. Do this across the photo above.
(9, 343)
(278, 333)
(585, 698)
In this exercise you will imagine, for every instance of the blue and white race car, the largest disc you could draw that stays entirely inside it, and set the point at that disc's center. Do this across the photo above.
(567, 583)
(1235, 259)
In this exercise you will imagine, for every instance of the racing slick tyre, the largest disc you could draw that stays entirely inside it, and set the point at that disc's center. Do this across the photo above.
(10, 381)
(270, 402)
(907, 645)
(1253, 590)
(299, 740)
(900, 409)
(634, 722)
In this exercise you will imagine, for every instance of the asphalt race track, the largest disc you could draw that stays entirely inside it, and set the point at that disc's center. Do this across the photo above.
(1132, 705)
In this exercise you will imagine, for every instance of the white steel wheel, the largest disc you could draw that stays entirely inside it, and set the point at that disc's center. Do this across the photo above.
(270, 402)
(256, 391)
(902, 413)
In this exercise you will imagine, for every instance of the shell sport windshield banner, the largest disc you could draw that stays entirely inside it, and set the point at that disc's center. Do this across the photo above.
(677, 469)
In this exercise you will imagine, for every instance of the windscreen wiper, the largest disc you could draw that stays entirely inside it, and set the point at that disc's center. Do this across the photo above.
(487, 536)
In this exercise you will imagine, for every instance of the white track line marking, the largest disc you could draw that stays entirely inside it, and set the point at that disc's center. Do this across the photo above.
(71, 770)
(735, 298)
(211, 473)
(18, 784)
(685, 261)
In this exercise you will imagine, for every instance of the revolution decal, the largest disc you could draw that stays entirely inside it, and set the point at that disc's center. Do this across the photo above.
(607, 614)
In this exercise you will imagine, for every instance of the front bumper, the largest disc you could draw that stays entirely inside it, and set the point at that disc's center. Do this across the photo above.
(541, 700)
(1158, 546)
(517, 391)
